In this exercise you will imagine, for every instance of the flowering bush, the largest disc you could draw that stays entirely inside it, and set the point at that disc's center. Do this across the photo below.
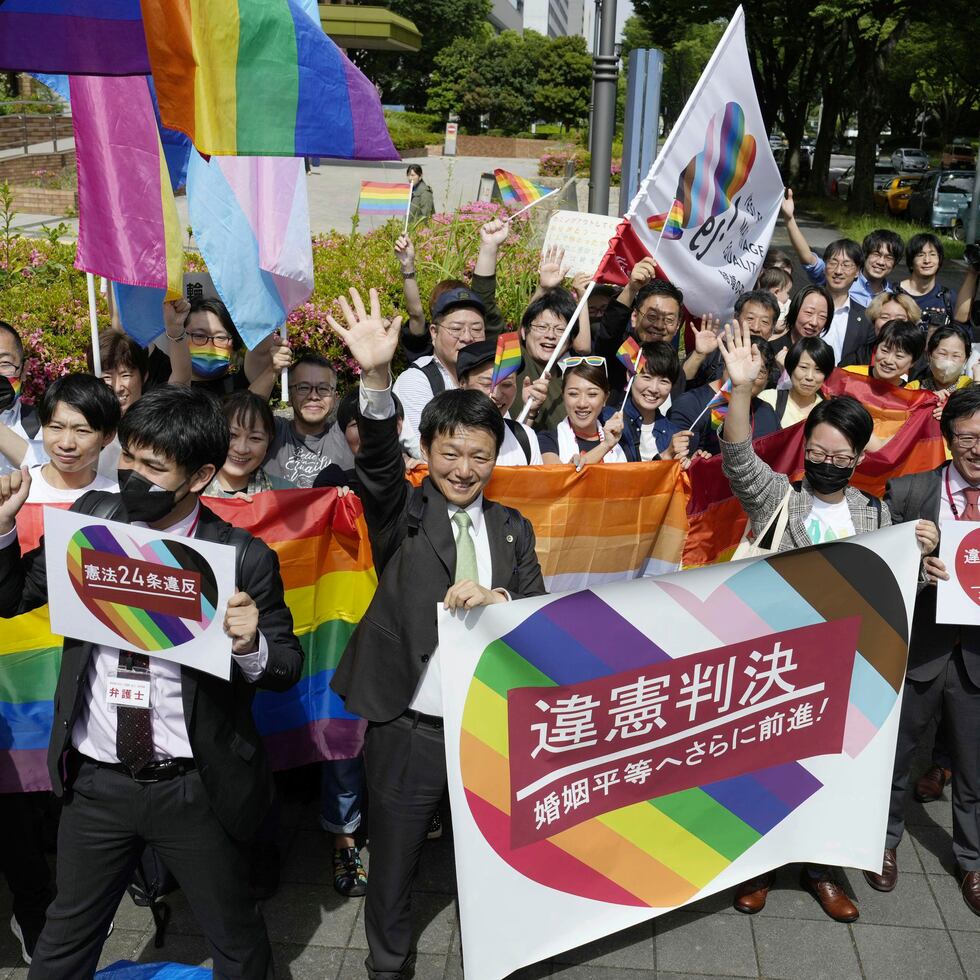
(44, 297)
(553, 165)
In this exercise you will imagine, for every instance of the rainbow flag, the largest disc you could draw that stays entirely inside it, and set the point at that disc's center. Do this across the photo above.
(378, 197)
(507, 359)
(670, 224)
(629, 355)
(128, 229)
(519, 190)
(79, 37)
(242, 78)
(719, 406)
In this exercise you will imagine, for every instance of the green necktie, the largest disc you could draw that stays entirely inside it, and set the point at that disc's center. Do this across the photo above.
(465, 549)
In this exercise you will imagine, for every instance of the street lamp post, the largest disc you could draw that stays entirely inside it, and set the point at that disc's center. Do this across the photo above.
(605, 74)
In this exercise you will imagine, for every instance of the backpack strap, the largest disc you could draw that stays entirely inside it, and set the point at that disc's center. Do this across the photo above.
(432, 372)
(520, 434)
(782, 400)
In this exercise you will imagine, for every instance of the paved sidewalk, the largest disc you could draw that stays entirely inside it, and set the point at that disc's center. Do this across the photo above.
(921, 930)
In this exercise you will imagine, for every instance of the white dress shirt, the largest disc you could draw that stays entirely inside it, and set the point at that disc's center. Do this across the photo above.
(415, 391)
(838, 329)
(956, 487)
(512, 453)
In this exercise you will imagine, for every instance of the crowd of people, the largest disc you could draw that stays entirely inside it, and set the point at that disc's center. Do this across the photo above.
(162, 430)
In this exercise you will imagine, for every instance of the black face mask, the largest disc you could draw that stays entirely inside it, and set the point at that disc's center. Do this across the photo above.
(827, 478)
(7, 394)
(145, 501)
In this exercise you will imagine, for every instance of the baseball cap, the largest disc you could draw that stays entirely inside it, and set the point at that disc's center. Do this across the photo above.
(457, 297)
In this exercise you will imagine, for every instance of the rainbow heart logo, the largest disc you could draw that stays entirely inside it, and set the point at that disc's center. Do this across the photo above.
(664, 844)
(153, 596)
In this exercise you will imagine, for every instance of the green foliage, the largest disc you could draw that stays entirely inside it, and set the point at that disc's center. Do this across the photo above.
(404, 79)
(564, 83)
(413, 130)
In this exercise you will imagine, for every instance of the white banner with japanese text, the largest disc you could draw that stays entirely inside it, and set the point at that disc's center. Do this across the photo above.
(707, 208)
(958, 598)
(618, 752)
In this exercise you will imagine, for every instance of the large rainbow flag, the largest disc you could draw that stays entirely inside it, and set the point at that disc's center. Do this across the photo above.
(128, 229)
(243, 78)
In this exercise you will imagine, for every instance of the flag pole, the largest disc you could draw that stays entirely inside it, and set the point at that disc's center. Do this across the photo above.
(629, 387)
(94, 326)
(711, 404)
(563, 340)
(408, 211)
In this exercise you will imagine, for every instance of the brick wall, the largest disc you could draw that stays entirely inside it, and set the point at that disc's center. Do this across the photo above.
(37, 200)
(503, 146)
(18, 169)
(38, 129)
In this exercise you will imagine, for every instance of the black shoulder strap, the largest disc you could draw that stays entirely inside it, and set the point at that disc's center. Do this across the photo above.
(876, 504)
(30, 422)
(782, 399)
(520, 434)
(432, 372)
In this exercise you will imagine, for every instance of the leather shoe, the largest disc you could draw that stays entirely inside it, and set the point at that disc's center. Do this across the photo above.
(832, 898)
(970, 886)
(888, 879)
(750, 896)
(930, 785)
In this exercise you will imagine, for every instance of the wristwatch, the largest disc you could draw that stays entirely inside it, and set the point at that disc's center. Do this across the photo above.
(408, 275)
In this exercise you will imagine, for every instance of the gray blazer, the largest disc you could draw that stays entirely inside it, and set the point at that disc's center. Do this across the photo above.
(913, 498)
(760, 491)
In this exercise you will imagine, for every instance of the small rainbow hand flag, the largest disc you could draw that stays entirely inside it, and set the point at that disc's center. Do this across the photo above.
(519, 190)
(670, 224)
(629, 355)
(380, 198)
(507, 359)
(719, 406)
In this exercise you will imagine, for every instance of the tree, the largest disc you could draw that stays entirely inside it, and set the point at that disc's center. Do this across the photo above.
(452, 70)
(502, 82)
(404, 78)
(564, 83)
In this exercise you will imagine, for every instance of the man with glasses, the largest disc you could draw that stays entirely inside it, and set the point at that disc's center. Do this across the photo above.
(301, 447)
(458, 319)
(15, 418)
(823, 507)
(944, 659)
(649, 309)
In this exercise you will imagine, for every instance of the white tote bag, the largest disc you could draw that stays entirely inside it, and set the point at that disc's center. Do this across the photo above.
(767, 542)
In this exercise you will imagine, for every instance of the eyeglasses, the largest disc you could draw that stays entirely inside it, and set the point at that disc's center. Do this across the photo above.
(965, 441)
(547, 329)
(838, 459)
(884, 256)
(304, 390)
(8, 369)
(845, 265)
(200, 339)
(593, 360)
(655, 319)
(456, 329)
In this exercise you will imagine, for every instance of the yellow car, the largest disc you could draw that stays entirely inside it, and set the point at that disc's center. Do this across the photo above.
(894, 196)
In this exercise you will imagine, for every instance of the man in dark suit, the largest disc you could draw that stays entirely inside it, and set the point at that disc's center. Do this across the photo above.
(442, 542)
(944, 659)
(188, 775)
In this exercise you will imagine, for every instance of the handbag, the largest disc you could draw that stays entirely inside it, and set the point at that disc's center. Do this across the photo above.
(768, 541)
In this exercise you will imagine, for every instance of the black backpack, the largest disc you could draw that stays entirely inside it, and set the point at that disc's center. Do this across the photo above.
(432, 372)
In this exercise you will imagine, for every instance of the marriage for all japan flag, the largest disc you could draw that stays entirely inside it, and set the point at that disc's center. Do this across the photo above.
(707, 208)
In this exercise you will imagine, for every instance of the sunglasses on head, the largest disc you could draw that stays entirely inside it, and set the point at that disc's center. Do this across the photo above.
(593, 360)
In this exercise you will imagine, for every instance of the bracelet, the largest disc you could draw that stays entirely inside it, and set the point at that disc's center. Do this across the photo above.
(408, 275)
(176, 340)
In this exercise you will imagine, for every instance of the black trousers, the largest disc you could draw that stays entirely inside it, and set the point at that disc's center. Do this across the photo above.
(22, 858)
(107, 820)
(405, 764)
(953, 692)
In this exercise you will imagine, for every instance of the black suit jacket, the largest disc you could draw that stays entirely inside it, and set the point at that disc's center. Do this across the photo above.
(415, 556)
(229, 753)
(912, 498)
(859, 338)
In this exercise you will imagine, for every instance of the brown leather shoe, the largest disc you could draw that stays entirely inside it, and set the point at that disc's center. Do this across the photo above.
(931, 784)
(888, 879)
(832, 898)
(750, 896)
(970, 886)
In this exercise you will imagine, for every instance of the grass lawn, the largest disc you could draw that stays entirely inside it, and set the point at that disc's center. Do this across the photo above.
(834, 212)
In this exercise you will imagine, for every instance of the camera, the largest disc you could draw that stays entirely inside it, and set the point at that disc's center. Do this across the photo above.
(972, 255)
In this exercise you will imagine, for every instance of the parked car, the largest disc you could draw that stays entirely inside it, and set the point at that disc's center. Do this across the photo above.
(940, 195)
(894, 196)
(958, 155)
(908, 158)
(884, 172)
(961, 222)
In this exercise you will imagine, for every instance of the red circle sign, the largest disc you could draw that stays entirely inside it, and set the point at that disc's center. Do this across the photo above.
(968, 565)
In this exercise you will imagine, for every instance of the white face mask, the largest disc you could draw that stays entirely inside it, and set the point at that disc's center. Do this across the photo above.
(946, 369)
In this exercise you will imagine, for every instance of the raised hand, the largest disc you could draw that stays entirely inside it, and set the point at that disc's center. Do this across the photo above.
(282, 356)
(536, 392)
(14, 488)
(175, 316)
(613, 429)
(580, 282)
(371, 338)
(743, 362)
(494, 233)
(405, 253)
(552, 269)
(787, 207)
(643, 272)
(706, 339)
